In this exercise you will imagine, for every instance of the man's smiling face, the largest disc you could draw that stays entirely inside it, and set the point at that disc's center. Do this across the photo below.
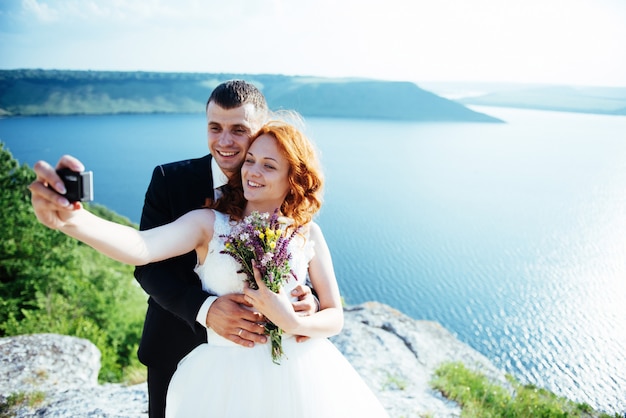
(229, 132)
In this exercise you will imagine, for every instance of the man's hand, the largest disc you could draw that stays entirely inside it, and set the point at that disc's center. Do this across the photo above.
(230, 319)
(307, 304)
(46, 203)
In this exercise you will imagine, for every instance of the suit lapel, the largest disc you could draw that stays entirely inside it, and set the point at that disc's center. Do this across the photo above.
(204, 175)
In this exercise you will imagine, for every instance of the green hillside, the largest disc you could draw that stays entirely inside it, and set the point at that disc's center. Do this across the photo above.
(51, 283)
(601, 100)
(59, 92)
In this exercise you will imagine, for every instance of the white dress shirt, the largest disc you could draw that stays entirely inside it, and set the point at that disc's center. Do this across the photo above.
(219, 179)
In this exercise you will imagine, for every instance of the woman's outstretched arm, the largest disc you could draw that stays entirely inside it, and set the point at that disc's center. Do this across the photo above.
(119, 242)
(130, 246)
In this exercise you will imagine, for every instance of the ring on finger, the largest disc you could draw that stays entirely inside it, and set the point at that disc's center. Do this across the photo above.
(240, 331)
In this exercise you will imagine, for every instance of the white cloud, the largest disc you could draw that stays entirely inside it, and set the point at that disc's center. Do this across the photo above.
(576, 41)
(40, 11)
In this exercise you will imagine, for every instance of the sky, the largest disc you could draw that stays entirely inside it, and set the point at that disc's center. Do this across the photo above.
(573, 42)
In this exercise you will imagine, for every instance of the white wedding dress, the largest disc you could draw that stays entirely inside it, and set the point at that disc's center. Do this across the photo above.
(221, 379)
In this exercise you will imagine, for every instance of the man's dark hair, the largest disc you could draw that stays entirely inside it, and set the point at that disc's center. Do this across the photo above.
(235, 93)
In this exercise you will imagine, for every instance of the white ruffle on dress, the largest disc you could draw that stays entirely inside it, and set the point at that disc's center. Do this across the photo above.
(223, 379)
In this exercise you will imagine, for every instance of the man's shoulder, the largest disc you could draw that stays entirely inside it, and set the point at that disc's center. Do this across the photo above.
(183, 167)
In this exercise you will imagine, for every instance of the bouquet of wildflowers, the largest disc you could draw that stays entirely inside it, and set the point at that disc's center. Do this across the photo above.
(263, 239)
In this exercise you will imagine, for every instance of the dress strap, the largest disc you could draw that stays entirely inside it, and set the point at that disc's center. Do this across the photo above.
(221, 225)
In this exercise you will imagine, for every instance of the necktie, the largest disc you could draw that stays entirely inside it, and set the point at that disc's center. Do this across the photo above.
(219, 192)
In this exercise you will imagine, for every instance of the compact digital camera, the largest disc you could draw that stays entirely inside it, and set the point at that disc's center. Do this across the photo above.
(79, 186)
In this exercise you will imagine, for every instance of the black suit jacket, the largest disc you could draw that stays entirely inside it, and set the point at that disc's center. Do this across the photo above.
(170, 329)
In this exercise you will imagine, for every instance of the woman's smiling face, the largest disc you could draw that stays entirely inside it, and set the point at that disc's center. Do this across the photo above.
(265, 173)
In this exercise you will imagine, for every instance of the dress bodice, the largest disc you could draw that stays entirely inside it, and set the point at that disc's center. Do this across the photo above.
(218, 273)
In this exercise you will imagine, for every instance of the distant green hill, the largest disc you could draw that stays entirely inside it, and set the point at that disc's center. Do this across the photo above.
(61, 92)
(579, 99)
(601, 100)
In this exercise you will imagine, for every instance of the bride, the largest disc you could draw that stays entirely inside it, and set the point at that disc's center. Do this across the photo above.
(220, 378)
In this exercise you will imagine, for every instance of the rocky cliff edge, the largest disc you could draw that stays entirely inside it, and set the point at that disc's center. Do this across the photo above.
(395, 354)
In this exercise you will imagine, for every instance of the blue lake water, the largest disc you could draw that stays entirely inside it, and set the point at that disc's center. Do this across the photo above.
(512, 236)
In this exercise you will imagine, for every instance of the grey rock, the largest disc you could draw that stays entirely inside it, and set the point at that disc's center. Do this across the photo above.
(395, 354)
(47, 361)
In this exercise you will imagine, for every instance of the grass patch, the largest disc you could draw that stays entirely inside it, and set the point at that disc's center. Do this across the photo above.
(395, 382)
(135, 373)
(21, 399)
(481, 398)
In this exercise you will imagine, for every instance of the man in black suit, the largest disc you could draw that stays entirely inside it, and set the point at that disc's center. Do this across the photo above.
(178, 308)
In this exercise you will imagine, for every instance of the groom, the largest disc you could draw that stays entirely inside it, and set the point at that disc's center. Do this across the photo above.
(179, 311)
